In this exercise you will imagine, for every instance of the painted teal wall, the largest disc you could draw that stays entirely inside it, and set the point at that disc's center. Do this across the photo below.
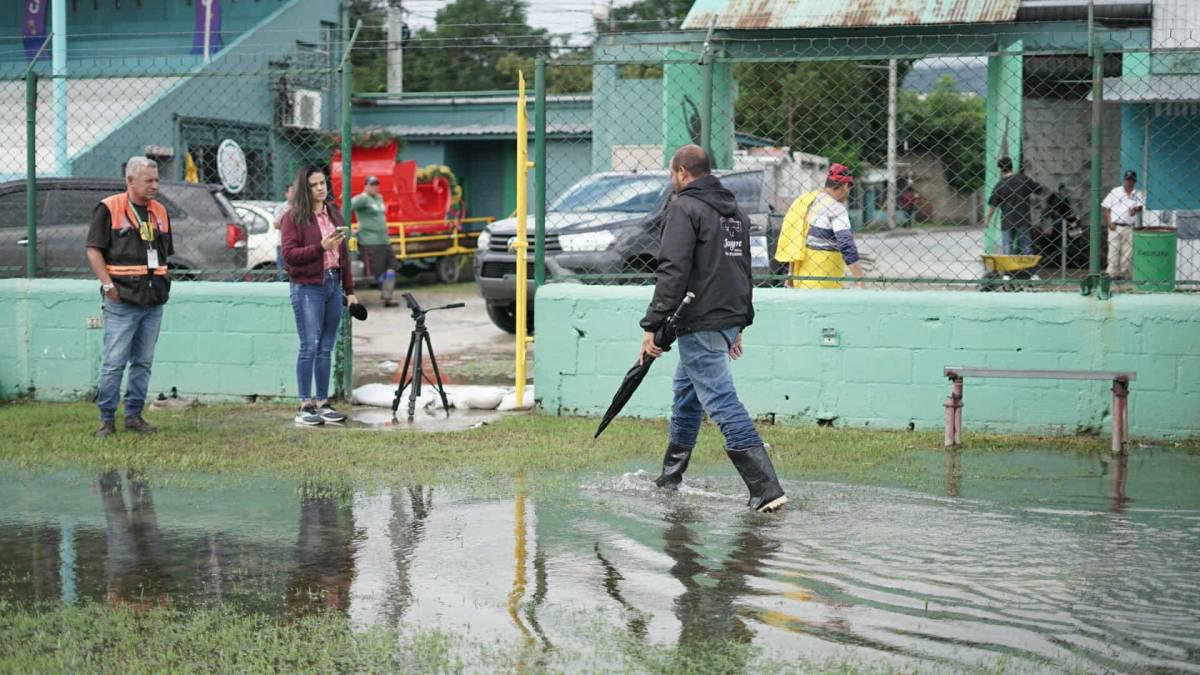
(217, 339)
(887, 369)
(626, 112)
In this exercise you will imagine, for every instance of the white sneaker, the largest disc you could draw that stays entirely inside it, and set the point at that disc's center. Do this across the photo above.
(328, 414)
(308, 416)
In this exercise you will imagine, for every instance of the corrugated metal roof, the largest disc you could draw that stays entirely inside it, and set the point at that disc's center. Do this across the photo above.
(769, 14)
(478, 130)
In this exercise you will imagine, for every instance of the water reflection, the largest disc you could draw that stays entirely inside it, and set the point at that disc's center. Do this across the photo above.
(1044, 559)
(135, 559)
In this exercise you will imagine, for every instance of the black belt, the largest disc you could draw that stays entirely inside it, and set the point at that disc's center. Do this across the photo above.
(1123, 224)
(333, 272)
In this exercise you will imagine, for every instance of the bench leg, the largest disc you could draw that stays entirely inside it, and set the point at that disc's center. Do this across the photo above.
(1120, 417)
(953, 407)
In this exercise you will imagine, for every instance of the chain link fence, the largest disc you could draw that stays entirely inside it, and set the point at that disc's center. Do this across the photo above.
(228, 137)
(972, 161)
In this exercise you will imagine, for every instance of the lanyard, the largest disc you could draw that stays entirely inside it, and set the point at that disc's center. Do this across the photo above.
(144, 230)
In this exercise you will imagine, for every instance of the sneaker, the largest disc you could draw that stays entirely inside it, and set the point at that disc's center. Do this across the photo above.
(107, 428)
(308, 416)
(139, 425)
(328, 414)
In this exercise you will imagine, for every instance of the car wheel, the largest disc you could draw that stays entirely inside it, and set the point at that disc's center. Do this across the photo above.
(505, 317)
(450, 268)
(264, 272)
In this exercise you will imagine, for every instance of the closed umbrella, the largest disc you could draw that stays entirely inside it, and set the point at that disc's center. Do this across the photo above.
(664, 337)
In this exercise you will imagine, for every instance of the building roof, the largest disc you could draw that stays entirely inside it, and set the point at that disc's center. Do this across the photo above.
(777, 14)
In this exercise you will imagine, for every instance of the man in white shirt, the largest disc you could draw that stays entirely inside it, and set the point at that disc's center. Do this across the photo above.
(1122, 211)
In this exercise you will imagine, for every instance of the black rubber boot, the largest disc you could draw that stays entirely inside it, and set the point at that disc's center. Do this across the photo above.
(755, 467)
(675, 462)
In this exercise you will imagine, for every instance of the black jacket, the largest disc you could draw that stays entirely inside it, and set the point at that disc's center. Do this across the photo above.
(705, 249)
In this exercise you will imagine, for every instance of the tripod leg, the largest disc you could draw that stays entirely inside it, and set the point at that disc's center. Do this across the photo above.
(416, 377)
(437, 376)
(412, 341)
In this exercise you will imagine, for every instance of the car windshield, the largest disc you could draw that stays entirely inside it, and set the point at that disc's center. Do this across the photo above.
(625, 194)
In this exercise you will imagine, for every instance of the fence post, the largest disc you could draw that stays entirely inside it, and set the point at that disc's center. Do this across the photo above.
(344, 380)
(539, 160)
(521, 242)
(31, 173)
(1094, 220)
(706, 100)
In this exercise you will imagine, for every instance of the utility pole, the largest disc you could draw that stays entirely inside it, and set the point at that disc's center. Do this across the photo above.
(395, 58)
(891, 146)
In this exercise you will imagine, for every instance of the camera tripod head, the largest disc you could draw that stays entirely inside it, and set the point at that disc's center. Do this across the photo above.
(418, 314)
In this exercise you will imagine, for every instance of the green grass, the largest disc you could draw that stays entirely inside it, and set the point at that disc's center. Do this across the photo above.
(257, 438)
(95, 638)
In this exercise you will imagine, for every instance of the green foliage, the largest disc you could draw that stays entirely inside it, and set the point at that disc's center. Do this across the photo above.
(369, 60)
(814, 106)
(646, 15)
(949, 125)
(464, 51)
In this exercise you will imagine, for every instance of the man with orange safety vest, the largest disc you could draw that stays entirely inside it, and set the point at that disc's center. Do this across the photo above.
(128, 243)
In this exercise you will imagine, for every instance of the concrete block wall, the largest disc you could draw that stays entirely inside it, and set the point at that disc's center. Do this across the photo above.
(886, 368)
(217, 339)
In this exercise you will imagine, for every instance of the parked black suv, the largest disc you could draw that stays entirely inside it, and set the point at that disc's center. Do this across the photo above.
(210, 240)
(607, 223)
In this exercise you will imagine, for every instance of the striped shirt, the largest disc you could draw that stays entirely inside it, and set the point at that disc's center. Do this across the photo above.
(829, 228)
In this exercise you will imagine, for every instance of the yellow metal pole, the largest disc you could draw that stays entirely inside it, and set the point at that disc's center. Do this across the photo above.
(521, 242)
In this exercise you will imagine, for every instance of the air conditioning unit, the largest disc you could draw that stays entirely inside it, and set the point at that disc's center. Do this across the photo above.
(306, 110)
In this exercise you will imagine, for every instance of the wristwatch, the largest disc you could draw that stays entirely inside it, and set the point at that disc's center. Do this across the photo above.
(105, 288)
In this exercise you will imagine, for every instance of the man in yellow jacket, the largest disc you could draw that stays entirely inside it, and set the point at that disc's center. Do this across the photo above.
(816, 237)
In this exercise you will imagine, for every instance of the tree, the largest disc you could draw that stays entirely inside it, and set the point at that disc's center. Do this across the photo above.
(826, 107)
(646, 15)
(471, 39)
(952, 126)
(370, 57)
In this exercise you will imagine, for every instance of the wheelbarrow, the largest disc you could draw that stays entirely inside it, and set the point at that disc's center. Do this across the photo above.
(1000, 270)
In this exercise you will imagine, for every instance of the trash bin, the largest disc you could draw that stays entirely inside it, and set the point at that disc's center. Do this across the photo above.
(1154, 258)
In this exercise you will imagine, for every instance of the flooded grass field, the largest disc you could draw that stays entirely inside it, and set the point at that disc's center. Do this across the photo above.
(1015, 561)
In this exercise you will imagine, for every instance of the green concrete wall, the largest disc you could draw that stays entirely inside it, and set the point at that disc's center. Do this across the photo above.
(887, 368)
(217, 340)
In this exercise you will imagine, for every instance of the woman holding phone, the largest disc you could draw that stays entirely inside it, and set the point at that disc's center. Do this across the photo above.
(313, 238)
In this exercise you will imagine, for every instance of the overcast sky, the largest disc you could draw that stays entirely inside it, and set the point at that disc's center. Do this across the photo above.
(556, 16)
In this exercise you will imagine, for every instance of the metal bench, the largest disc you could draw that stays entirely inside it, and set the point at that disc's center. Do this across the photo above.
(1120, 389)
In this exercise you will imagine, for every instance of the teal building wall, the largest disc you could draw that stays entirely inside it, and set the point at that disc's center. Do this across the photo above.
(217, 339)
(886, 368)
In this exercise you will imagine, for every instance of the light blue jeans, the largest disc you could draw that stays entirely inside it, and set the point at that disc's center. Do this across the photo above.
(1018, 241)
(703, 383)
(130, 333)
(318, 311)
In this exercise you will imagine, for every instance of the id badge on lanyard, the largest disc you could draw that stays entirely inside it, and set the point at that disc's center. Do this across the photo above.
(152, 258)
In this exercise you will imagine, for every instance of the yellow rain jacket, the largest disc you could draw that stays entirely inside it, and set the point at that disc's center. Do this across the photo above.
(793, 248)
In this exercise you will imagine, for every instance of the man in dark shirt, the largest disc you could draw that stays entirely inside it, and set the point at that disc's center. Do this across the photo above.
(705, 249)
(1011, 195)
(128, 243)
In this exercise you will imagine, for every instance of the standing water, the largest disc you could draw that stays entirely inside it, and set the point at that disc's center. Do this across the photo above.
(1029, 560)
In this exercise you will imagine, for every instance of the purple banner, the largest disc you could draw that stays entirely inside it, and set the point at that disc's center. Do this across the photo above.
(33, 26)
(208, 22)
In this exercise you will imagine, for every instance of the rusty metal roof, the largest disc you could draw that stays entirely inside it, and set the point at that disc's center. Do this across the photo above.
(769, 14)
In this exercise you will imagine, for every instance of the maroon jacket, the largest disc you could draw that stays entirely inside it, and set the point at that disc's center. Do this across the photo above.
(303, 255)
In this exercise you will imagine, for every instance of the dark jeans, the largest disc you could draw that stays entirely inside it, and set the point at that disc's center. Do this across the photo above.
(130, 333)
(704, 383)
(318, 311)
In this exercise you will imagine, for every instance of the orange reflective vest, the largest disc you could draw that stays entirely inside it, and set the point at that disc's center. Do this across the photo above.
(131, 260)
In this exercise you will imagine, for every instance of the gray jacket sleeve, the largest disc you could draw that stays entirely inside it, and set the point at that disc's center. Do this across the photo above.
(676, 250)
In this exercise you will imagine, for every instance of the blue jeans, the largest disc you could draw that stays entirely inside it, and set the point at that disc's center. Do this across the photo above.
(1018, 241)
(130, 333)
(318, 311)
(704, 383)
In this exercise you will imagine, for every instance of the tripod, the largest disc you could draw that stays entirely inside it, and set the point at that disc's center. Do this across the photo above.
(416, 345)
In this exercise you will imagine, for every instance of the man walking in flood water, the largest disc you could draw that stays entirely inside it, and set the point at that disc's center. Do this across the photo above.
(705, 249)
